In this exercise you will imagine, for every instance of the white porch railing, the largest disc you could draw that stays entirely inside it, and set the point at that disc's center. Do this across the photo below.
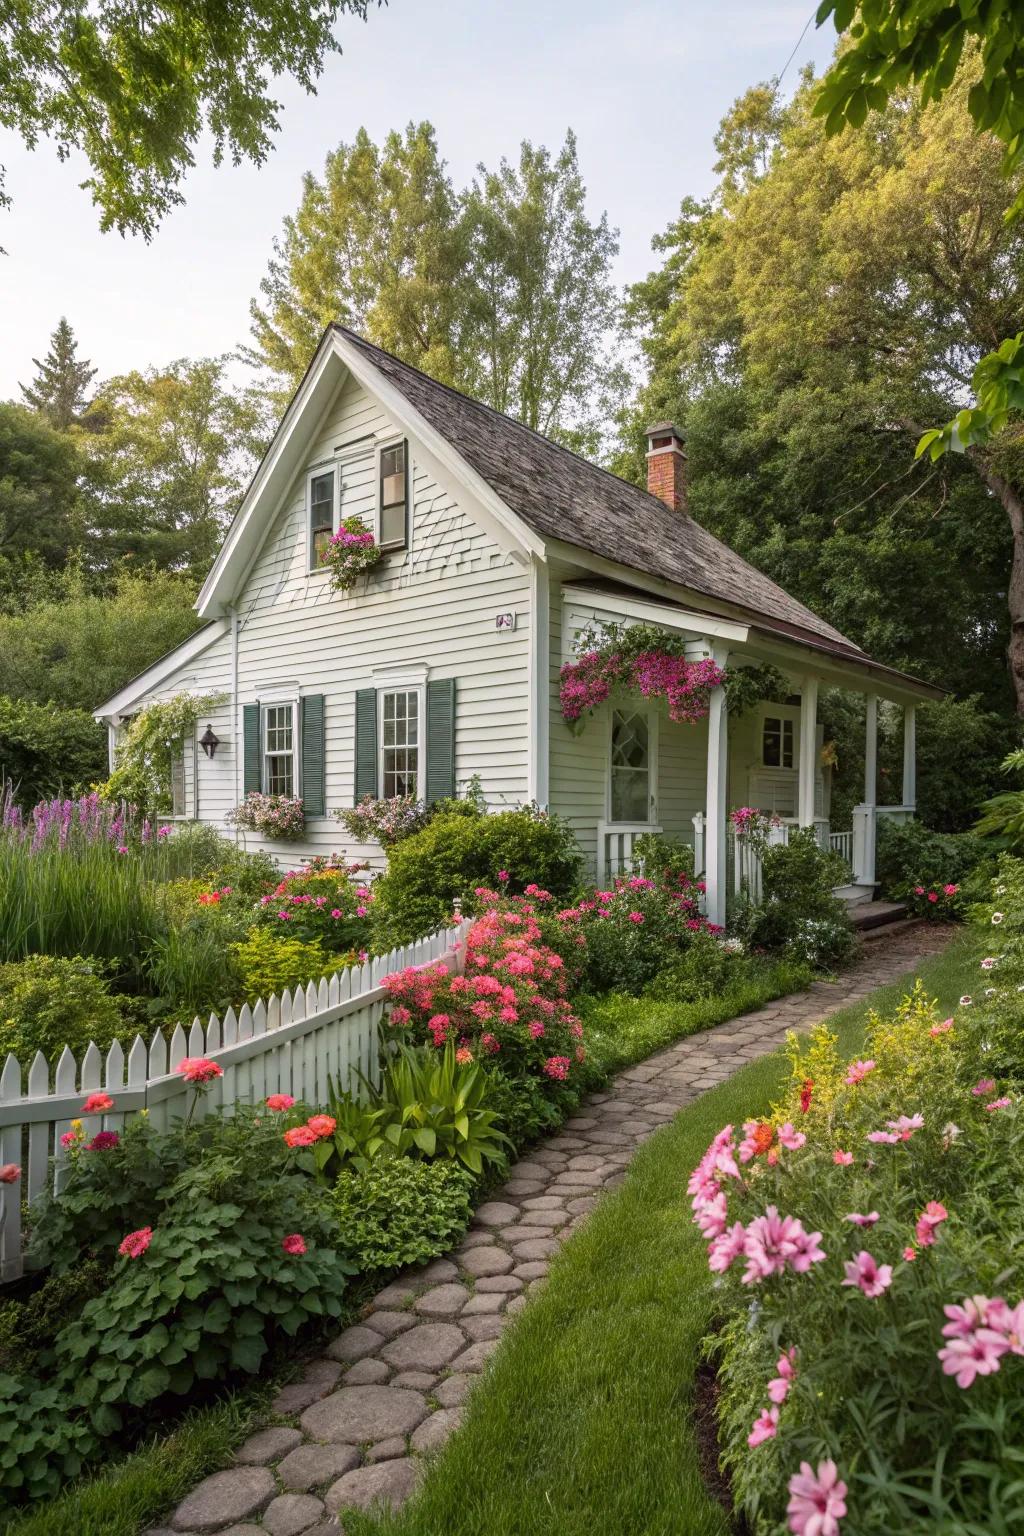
(615, 840)
(288, 1044)
(842, 843)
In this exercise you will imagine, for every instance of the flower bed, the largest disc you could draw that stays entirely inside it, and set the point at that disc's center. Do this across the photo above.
(866, 1238)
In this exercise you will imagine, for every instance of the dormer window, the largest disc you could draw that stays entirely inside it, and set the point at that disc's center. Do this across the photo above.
(393, 497)
(321, 498)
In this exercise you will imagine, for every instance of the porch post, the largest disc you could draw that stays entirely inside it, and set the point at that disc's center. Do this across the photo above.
(865, 816)
(808, 751)
(871, 749)
(910, 755)
(715, 870)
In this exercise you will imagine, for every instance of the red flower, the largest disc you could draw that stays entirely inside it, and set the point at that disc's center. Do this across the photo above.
(136, 1243)
(102, 1141)
(300, 1136)
(10, 1173)
(322, 1125)
(805, 1094)
(199, 1069)
(96, 1103)
(279, 1101)
(293, 1243)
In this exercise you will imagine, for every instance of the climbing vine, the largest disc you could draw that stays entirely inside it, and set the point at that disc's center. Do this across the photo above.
(142, 765)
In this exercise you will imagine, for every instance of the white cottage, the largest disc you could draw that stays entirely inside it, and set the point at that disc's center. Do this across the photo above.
(443, 663)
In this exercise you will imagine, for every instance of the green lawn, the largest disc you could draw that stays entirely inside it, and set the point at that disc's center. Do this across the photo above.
(583, 1426)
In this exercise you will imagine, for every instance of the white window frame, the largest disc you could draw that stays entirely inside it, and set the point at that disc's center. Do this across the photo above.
(381, 447)
(784, 717)
(328, 467)
(186, 814)
(393, 686)
(651, 716)
(265, 706)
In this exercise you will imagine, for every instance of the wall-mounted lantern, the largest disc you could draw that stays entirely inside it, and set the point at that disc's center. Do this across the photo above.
(209, 742)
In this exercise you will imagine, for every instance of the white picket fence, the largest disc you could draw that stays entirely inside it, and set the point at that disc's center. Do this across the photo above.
(288, 1044)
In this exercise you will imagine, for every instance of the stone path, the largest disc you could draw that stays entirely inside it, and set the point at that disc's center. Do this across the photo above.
(391, 1389)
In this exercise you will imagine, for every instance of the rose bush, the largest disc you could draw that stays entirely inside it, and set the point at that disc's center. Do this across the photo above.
(331, 904)
(636, 927)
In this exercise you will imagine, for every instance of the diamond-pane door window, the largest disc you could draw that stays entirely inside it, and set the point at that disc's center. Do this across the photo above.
(630, 767)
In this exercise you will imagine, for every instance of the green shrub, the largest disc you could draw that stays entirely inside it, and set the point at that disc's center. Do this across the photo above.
(663, 858)
(269, 962)
(29, 1325)
(197, 851)
(401, 1210)
(525, 1107)
(193, 967)
(706, 967)
(49, 1001)
(48, 751)
(461, 850)
(797, 913)
(910, 854)
(436, 1106)
(635, 927)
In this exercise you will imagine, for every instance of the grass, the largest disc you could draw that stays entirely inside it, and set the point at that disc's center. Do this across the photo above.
(584, 1425)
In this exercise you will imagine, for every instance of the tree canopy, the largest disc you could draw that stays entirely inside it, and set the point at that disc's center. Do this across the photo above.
(59, 390)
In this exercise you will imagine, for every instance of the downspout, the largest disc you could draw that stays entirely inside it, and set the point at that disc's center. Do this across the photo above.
(235, 720)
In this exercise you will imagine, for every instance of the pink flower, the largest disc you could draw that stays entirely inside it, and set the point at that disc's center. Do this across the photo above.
(865, 1272)
(950, 890)
(293, 1243)
(135, 1244)
(69, 1138)
(857, 1072)
(322, 1125)
(977, 1354)
(711, 1216)
(941, 1029)
(765, 1427)
(932, 1216)
(983, 1086)
(1002, 1103)
(463, 1055)
(536, 1028)
(778, 1387)
(790, 1138)
(906, 1125)
(199, 1069)
(726, 1247)
(863, 1221)
(557, 1067)
(97, 1103)
(773, 1241)
(636, 917)
(502, 875)
(279, 1101)
(300, 1136)
(817, 1501)
(103, 1141)
(883, 1136)
(933, 895)
(490, 1043)
(910, 1254)
(842, 1159)
(10, 1173)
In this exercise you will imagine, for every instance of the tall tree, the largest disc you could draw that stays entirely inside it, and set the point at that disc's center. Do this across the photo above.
(503, 289)
(60, 388)
(41, 512)
(175, 453)
(837, 310)
(133, 88)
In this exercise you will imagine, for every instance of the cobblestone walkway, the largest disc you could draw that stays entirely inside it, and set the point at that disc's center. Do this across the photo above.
(389, 1390)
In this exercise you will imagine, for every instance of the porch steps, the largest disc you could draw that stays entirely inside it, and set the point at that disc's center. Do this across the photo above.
(855, 895)
(869, 915)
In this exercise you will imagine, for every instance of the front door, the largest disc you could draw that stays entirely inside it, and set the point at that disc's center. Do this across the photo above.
(631, 791)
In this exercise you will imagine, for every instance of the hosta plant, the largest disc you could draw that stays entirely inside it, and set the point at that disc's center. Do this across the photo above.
(436, 1107)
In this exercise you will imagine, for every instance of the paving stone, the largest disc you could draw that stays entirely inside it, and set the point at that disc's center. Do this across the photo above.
(579, 1178)
(489, 1285)
(532, 1269)
(583, 1205)
(359, 1414)
(310, 1466)
(296, 1396)
(245, 1529)
(525, 1186)
(546, 1220)
(496, 1213)
(427, 1347)
(416, 1381)
(387, 1450)
(226, 1496)
(292, 1513)
(389, 1482)
(539, 1248)
(433, 1432)
(454, 1390)
(267, 1445)
(481, 1306)
(325, 1373)
(476, 1356)
(477, 1328)
(475, 1240)
(516, 1304)
(487, 1261)
(544, 1203)
(442, 1300)
(388, 1323)
(395, 1294)
(367, 1373)
(586, 1160)
(529, 1170)
(354, 1343)
(435, 1272)
(523, 1234)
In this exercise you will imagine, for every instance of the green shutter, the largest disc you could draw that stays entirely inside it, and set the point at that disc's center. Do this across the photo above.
(313, 792)
(366, 743)
(440, 739)
(252, 777)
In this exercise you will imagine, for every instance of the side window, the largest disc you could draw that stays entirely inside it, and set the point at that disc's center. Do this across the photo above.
(178, 779)
(393, 497)
(321, 514)
(400, 765)
(279, 749)
(777, 742)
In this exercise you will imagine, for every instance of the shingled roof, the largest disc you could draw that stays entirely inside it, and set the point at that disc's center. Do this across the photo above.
(561, 496)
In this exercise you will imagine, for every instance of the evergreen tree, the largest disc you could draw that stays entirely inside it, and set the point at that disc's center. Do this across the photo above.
(62, 379)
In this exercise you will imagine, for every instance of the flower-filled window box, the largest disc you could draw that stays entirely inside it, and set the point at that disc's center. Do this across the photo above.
(638, 658)
(279, 817)
(350, 553)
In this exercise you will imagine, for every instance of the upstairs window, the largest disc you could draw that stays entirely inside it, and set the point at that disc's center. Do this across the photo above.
(393, 497)
(777, 742)
(321, 515)
(400, 743)
(279, 749)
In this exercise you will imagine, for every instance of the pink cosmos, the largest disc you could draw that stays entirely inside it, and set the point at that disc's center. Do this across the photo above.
(977, 1354)
(910, 1254)
(842, 1159)
(878, 1137)
(806, 1250)
(790, 1138)
(765, 1427)
(778, 1387)
(294, 1243)
(863, 1221)
(817, 1500)
(199, 1069)
(279, 1101)
(135, 1244)
(726, 1247)
(1002, 1103)
(906, 1125)
(931, 1217)
(983, 1086)
(97, 1103)
(864, 1271)
(711, 1216)
(857, 1072)
(773, 1241)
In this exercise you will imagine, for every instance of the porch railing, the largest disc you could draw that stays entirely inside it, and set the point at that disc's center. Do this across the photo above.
(615, 844)
(842, 843)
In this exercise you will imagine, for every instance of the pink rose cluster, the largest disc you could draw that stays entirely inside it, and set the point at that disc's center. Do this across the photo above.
(511, 998)
(633, 901)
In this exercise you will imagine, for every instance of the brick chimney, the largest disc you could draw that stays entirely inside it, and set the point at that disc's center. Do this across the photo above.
(666, 465)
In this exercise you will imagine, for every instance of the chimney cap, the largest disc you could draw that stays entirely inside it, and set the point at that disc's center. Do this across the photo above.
(665, 429)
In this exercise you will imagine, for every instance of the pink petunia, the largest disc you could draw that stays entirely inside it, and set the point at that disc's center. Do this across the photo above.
(863, 1221)
(765, 1427)
(857, 1072)
(866, 1273)
(135, 1244)
(817, 1500)
(842, 1159)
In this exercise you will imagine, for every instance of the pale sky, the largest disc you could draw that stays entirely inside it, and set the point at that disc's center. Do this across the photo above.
(644, 87)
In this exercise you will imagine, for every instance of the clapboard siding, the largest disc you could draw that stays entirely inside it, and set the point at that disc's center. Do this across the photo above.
(432, 605)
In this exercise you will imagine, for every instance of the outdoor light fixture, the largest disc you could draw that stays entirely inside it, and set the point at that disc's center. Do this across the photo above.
(209, 742)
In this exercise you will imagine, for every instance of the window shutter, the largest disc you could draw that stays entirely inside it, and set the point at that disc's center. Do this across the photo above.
(366, 743)
(252, 777)
(440, 739)
(312, 728)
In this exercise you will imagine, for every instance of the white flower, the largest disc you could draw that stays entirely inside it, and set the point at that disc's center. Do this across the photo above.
(988, 962)
(997, 917)
(990, 991)
(950, 1130)
(1000, 890)
(966, 1000)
